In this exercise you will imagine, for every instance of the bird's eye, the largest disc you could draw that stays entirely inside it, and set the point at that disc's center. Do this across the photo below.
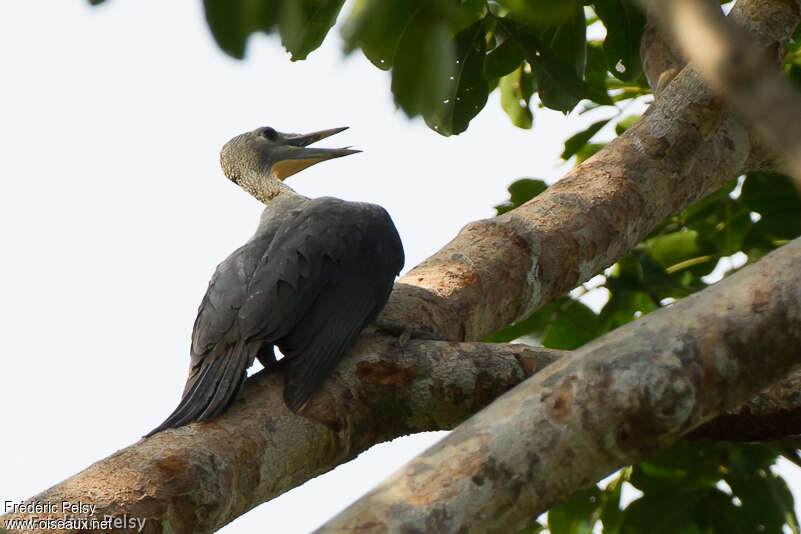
(269, 133)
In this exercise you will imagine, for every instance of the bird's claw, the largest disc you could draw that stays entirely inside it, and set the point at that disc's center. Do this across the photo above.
(404, 333)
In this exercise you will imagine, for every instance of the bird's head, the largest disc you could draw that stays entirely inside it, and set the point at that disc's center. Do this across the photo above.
(260, 160)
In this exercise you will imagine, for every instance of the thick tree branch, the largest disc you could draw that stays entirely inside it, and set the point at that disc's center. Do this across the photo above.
(500, 270)
(741, 69)
(611, 403)
(199, 477)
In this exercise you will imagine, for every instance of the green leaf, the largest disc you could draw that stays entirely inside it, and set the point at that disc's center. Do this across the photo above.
(682, 250)
(768, 193)
(305, 23)
(673, 515)
(503, 59)
(625, 123)
(717, 513)
(623, 307)
(776, 200)
(576, 516)
(425, 51)
(791, 454)
(467, 88)
(637, 272)
(792, 62)
(472, 10)
(232, 21)
(559, 85)
(533, 325)
(568, 40)
(611, 515)
(684, 467)
(542, 12)
(575, 142)
(624, 23)
(514, 102)
(380, 27)
(572, 326)
(377, 27)
(793, 72)
(587, 151)
(595, 75)
(560, 61)
(724, 222)
(763, 495)
(532, 529)
(96, 2)
(520, 192)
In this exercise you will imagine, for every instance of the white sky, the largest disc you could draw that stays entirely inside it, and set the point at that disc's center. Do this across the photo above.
(114, 213)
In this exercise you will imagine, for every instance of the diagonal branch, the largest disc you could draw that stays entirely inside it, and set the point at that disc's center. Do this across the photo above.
(611, 403)
(500, 270)
(660, 60)
(199, 477)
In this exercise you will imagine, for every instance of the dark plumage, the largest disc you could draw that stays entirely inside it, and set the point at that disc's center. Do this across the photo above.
(315, 273)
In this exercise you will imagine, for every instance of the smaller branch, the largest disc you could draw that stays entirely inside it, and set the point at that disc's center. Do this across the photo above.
(660, 59)
(740, 70)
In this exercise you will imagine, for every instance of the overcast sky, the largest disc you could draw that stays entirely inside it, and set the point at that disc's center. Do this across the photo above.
(114, 214)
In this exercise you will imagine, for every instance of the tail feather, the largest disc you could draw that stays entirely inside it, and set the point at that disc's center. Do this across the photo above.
(305, 372)
(211, 390)
(229, 384)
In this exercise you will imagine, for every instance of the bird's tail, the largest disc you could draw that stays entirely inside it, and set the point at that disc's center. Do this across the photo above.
(212, 386)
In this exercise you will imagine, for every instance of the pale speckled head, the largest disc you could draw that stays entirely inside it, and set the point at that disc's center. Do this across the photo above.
(258, 161)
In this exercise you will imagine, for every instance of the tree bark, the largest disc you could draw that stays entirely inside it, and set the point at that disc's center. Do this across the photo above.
(200, 477)
(772, 415)
(500, 270)
(611, 403)
(740, 69)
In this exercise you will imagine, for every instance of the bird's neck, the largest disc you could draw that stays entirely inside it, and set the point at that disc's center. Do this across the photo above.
(266, 188)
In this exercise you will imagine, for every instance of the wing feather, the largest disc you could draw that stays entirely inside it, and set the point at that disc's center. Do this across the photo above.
(314, 275)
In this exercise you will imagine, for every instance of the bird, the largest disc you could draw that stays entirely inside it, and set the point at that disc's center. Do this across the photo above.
(313, 276)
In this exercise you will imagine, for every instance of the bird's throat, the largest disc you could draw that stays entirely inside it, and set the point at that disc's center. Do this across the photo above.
(266, 189)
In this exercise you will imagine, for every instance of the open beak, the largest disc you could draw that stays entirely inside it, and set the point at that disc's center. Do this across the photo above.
(307, 139)
(296, 156)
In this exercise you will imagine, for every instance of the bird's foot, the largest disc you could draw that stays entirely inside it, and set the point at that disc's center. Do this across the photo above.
(403, 332)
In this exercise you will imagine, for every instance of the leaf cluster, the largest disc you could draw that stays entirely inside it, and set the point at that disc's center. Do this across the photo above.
(690, 488)
(446, 56)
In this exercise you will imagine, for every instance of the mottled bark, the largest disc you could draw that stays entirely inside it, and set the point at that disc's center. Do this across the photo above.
(660, 59)
(773, 414)
(499, 270)
(741, 69)
(609, 404)
(199, 477)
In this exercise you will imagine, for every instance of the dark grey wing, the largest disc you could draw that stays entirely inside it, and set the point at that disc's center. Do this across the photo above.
(310, 284)
(219, 355)
(227, 291)
(329, 274)
(315, 347)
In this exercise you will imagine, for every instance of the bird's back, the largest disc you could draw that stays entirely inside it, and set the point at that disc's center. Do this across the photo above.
(314, 274)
